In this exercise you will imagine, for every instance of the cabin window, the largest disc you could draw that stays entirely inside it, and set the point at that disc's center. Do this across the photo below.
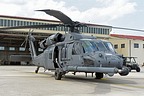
(2, 48)
(116, 46)
(11, 48)
(50, 52)
(64, 51)
(21, 49)
(50, 55)
(122, 45)
(136, 45)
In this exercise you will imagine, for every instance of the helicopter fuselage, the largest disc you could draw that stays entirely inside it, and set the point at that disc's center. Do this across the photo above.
(80, 55)
(77, 54)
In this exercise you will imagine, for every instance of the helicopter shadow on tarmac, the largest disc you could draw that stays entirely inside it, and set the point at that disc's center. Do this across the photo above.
(101, 86)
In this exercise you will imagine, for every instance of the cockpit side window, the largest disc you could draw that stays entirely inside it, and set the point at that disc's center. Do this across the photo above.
(77, 48)
(93, 46)
(87, 46)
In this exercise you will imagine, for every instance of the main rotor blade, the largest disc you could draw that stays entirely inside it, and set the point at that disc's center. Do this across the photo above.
(33, 26)
(59, 15)
(121, 28)
(130, 29)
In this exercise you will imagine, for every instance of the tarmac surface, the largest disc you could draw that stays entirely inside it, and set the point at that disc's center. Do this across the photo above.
(22, 81)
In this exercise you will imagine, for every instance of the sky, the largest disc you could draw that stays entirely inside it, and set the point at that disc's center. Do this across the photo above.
(121, 13)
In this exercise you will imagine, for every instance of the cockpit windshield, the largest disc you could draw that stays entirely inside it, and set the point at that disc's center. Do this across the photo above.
(101, 46)
(109, 46)
(91, 46)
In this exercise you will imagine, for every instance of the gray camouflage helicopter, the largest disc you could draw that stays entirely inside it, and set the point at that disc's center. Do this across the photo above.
(74, 52)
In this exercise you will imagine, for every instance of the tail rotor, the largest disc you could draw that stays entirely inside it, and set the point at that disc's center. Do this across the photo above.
(24, 43)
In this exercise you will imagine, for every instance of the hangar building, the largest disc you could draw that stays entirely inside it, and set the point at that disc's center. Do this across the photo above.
(11, 40)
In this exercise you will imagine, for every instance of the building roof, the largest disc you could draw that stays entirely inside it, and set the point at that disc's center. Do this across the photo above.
(26, 18)
(128, 36)
(47, 20)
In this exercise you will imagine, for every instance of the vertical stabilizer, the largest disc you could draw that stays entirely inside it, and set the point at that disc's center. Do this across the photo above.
(31, 45)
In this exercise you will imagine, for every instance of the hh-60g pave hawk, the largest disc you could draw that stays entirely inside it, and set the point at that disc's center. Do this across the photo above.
(74, 52)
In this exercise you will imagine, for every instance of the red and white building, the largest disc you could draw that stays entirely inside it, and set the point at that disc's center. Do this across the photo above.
(129, 45)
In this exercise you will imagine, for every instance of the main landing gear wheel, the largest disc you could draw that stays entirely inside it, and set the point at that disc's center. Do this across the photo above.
(58, 75)
(99, 75)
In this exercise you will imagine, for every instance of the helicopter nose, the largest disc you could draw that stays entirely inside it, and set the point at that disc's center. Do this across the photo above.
(114, 61)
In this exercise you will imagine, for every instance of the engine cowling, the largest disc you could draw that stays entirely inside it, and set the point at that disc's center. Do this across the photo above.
(51, 40)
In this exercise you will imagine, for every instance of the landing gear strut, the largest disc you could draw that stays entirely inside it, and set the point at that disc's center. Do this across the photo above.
(99, 75)
(36, 71)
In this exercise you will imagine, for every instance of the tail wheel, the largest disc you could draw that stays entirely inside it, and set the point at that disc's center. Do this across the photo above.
(58, 75)
(99, 75)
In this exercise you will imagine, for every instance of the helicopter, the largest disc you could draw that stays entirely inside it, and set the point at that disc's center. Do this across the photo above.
(73, 51)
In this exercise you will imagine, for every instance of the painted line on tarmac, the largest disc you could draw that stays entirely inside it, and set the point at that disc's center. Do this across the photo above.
(131, 86)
